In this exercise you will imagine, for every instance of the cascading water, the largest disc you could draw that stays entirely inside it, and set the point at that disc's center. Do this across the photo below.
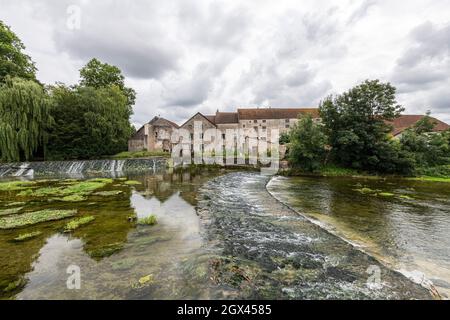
(81, 167)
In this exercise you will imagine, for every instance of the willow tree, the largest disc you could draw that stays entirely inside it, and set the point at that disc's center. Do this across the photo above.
(24, 118)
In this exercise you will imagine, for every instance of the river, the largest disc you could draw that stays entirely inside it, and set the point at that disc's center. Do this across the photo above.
(220, 235)
(405, 224)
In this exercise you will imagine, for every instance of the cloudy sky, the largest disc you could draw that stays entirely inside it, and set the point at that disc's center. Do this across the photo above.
(187, 56)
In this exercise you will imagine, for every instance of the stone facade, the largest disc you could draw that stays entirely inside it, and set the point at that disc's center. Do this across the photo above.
(153, 136)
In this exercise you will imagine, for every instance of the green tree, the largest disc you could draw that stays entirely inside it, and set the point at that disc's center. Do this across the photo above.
(428, 149)
(100, 75)
(90, 122)
(24, 118)
(426, 124)
(13, 62)
(355, 125)
(307, 144)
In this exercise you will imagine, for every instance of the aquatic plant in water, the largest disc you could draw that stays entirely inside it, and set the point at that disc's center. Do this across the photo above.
(386, 194)
(75, 224)
(108, 193)
(150, 220)
(9, 211)
(132, 182)
(30, 218)
(27, 236)
(15, 185)
(81, 188)
(107, 250)
(73, 198)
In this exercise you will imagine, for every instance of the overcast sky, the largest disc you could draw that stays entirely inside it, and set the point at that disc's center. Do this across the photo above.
(187, 56)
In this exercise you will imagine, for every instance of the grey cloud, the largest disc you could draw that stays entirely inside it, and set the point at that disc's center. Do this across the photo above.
(215, 25)
(418, 78)
(423, 71)
(121, 34)
(429, 43)
(195, 88)
(361, 11)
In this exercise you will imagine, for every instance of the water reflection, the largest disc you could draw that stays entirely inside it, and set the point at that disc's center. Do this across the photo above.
(113, 252)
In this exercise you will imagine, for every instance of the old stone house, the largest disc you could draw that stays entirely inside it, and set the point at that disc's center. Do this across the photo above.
(155, 135)
(152, 136)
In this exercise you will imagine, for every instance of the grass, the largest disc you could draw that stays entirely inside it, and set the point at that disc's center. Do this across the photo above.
(141, 154)
(16, 185)
(77, 223)
(27, 236)
(149, 221)
(7, 212)
(30, 218)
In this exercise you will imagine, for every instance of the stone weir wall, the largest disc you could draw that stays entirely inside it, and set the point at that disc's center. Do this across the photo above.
(81, 167)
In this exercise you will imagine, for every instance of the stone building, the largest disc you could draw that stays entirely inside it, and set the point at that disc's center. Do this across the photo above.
(153, 136)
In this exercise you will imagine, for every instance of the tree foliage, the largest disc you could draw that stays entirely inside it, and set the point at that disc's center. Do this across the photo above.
(24, 118)
(307, 144)
(13, 62)
(356, 127)
(89, 122)
(426, 148)
(101, 75)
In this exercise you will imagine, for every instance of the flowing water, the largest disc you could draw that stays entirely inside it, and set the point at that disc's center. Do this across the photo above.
(405, 224)
(81, 168)
(219, 234)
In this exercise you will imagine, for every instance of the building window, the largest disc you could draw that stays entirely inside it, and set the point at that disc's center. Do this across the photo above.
(223, 135)
(243, 126)
(286, 120)
(255, 121)
(256, 128)
(264, 128)
(264, 121)
(287, 126)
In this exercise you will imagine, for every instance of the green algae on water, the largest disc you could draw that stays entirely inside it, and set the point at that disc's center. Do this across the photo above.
(77, 223)
(149, 221)
(16, 185)
(132, 182)
(386, 194)
(108, 193)
(30, 218)
(27, 236)
(9, 211)
(107, 250)
(73, 198)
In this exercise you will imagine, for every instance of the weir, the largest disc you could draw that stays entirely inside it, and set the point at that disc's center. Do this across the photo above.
(81, 167)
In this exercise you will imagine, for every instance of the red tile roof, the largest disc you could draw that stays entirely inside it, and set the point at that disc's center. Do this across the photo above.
(406, 121)
(226, 117)
(275, 113)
